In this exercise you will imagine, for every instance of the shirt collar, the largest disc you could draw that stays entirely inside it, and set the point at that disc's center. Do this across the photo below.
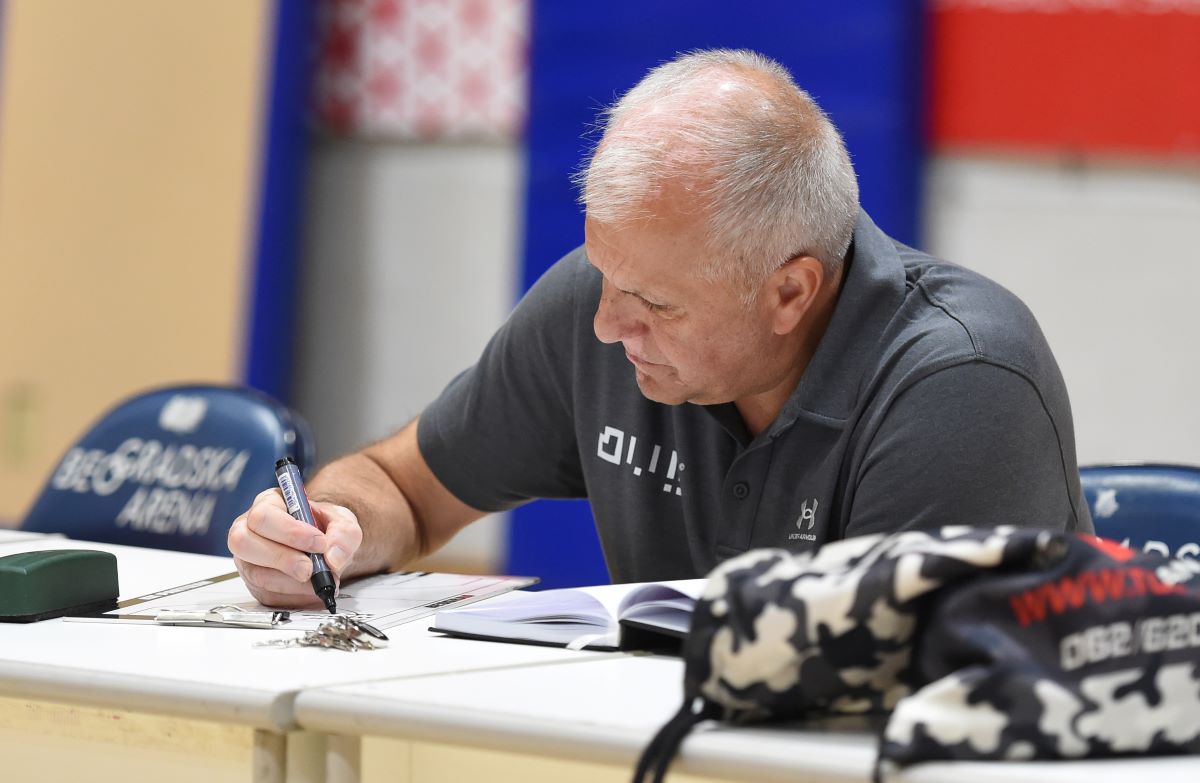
(872, 290)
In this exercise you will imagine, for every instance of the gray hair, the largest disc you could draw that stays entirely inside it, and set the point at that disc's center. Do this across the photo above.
(769, 171)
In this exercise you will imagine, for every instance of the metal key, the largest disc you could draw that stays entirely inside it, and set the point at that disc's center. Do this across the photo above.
(335, 633)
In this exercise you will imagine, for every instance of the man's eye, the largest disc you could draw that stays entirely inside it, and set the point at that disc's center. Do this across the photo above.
(651, 306)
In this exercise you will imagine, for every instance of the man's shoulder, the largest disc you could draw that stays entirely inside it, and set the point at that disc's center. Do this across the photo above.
(572, 274)
(967, 314)
(567, 292)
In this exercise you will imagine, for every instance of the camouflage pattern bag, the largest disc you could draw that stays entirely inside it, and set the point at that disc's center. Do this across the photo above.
(981, 644)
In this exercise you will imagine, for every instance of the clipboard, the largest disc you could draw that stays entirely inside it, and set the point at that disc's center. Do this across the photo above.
(384, 600)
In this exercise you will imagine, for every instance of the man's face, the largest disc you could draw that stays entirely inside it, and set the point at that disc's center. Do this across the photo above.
(688, 339)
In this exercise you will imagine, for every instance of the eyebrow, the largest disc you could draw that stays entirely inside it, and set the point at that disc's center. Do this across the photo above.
(654, 300)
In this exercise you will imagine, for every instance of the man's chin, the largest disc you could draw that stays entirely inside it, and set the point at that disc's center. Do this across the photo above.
(656, 391)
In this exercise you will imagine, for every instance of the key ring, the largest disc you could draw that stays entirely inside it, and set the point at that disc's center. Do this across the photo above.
(338, 632)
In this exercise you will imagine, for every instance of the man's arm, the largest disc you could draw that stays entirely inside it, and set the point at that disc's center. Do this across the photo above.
(379, 508)
(500, 434)
(972, 444)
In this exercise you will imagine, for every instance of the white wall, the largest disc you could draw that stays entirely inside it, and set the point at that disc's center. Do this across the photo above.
(408, 269)
(1108, 259)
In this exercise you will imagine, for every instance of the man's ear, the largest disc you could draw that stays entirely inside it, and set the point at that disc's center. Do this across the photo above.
(793, 289)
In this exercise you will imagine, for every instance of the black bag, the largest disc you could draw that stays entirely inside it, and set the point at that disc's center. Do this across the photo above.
(981, 644)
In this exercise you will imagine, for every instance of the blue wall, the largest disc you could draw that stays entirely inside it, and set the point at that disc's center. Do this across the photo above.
(285, 136)
(861, 61)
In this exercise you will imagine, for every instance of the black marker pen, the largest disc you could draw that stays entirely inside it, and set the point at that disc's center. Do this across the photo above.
(292, 487)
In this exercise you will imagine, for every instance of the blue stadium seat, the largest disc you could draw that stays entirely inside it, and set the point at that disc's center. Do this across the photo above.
(171, 468)
(1149, 507)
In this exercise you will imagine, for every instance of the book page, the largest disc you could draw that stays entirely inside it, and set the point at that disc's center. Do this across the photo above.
(616, 597)
(561, 606)
(574, 617)
(569, 618)
(666, 605)
(598, 605)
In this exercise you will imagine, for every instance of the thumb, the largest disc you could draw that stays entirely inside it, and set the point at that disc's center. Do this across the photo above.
(343, 535)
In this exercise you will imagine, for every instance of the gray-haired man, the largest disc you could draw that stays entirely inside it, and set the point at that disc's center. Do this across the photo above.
(736, 358)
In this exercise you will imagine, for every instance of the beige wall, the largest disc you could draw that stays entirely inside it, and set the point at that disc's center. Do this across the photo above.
(129, 137)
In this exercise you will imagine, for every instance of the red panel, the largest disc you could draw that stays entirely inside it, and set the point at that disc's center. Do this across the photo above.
(1081, 80)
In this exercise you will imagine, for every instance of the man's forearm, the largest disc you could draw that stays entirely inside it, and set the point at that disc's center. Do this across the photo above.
(390, 535)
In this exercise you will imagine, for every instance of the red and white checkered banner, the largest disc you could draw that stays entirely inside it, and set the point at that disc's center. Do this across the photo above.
(423, 69)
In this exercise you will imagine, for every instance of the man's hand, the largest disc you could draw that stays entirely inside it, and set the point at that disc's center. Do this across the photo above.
(402, 513)
(271, 548)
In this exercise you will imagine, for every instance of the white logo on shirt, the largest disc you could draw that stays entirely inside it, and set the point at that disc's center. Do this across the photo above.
(806, 521)
(610, 447)
(808, 516)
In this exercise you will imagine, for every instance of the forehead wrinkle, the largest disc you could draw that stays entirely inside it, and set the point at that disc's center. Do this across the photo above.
(620, 260)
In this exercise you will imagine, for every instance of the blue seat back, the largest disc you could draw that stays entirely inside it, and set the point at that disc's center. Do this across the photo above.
(171, 468)
(1148, 507)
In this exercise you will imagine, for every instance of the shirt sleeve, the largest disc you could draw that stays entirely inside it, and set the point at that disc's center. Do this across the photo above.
(971, 444)
(502, 432)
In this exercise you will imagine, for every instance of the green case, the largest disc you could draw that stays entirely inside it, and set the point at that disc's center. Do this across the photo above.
(50, 583)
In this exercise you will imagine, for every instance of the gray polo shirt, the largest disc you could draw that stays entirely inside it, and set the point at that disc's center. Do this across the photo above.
(932, 399)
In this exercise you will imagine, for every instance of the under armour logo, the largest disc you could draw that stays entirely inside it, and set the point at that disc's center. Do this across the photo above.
(808, 516)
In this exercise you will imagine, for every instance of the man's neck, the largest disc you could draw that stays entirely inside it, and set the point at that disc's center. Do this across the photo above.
(759, 410)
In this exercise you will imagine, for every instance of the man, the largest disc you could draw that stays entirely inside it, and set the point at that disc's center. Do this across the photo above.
(736, 358)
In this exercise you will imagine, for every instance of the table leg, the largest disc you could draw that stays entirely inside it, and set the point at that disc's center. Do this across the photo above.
(270, 757)
(343, 759)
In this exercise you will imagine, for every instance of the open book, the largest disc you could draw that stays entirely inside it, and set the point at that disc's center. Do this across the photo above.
(653, 615)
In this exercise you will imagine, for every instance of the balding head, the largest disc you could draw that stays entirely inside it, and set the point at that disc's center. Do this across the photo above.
(761, 164)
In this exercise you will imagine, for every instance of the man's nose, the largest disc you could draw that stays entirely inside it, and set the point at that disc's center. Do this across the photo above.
(615, 319)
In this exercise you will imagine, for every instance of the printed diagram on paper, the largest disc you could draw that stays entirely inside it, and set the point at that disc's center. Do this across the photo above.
(384, 601)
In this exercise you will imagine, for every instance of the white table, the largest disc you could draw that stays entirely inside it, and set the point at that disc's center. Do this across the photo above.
(590, 720)
(100, 699)
(13, 536)
(106, 702)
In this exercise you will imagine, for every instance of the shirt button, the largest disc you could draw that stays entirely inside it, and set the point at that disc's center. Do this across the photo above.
(741, 490)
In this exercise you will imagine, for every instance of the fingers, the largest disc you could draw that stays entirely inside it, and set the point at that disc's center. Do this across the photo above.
(271, 548)
(273, 588)
(343, 535)
(269, 517)
(267, 535)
